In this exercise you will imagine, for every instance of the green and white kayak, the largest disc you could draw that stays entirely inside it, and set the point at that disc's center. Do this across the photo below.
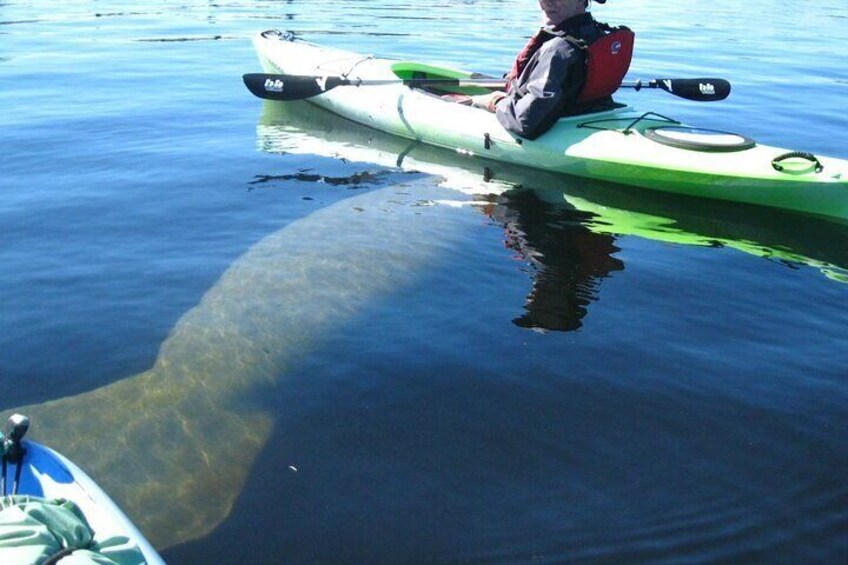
(620, 145)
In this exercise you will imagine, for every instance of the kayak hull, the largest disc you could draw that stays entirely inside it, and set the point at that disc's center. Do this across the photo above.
(612, 145)
(47, 474)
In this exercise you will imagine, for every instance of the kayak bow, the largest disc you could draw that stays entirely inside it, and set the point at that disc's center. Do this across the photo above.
(50, 509)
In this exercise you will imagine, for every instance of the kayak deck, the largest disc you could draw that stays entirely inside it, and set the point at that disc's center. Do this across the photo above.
(620, 144)
(47, 474)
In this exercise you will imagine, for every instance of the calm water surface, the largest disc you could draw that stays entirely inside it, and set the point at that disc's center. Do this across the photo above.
(272, 344)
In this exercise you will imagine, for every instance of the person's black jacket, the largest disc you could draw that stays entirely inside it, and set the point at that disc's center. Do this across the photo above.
(551, 81)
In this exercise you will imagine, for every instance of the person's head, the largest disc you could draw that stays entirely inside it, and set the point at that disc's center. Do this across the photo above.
(557, 11)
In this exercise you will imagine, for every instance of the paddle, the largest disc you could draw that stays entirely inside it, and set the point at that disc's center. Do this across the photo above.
(298, 87)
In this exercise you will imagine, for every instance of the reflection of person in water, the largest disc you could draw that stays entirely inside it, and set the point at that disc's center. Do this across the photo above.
(569, 259)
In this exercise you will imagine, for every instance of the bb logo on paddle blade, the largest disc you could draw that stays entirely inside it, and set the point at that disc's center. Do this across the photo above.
(274, 85)
(707, 88)
(616, 48)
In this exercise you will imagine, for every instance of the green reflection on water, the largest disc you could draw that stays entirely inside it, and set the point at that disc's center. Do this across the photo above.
(609, 209)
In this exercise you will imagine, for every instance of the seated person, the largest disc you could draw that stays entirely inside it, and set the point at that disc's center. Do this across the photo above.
(562, 68)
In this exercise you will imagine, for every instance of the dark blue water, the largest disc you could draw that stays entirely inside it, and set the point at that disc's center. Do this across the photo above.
(270, 344)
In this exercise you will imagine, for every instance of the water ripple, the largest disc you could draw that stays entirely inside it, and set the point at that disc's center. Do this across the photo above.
(184, 39)
(356, 180)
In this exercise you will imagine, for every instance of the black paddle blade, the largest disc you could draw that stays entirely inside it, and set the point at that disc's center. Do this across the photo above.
(289, 87)
(698, 89)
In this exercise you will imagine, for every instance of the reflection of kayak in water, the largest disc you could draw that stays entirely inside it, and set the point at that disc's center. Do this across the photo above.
(175, 444)
(623, 222)
(616, 143)
(52, 510)
(601, 207)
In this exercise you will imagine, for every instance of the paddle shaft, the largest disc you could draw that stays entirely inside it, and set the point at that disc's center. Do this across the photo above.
(298, 87)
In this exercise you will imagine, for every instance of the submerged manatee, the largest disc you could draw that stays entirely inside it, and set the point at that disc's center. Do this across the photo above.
(174, 445)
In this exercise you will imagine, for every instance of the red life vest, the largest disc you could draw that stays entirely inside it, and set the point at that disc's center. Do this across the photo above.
(607, 60)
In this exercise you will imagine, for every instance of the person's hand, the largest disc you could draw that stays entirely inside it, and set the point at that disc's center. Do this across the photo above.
(488, 101)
